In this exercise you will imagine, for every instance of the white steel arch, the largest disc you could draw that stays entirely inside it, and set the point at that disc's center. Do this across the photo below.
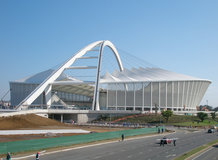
(95, 104)
(45, 85)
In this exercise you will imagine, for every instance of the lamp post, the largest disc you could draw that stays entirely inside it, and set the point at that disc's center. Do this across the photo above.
(160, 117)
(110, 121)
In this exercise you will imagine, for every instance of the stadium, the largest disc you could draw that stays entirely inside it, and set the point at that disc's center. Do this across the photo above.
(128, 89)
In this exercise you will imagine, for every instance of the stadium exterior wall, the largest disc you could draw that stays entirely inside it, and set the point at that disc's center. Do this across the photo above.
(160, 95)
(141, 96)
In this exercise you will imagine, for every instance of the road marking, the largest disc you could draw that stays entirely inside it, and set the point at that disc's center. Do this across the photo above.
(97, 157)
(171, 155)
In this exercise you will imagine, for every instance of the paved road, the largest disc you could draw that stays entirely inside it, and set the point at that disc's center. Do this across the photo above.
(137, 149)
(210, 154)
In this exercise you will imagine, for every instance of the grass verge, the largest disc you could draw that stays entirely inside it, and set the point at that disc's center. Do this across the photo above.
(193, 124)
(195, 150)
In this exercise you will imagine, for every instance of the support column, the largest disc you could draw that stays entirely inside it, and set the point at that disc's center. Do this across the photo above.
(159, 96)
(191, 96)
(143, 95)
(183, 91)
(197, 93)
(178, 98)
(134, 96)
(95, 103)
(173, 96)
(62, 118)
(194, 95)
(187, 96)
(151, 99)
(166, 97)
(125, 96)
(107, 96)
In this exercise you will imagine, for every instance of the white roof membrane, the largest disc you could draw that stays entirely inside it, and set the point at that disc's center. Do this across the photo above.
(146, 74)
(127, 75)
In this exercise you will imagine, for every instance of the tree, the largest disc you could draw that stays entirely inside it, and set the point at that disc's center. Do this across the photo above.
(167, 114)
(155, 108)
(215, 109)
(213, 115)
(103, 117)
(202, 116)
(202, 107)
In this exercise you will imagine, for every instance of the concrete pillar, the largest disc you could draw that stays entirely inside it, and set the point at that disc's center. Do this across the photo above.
(143, 96)
(159, 97)
(151, 110)
(62, 118)
(82, 118)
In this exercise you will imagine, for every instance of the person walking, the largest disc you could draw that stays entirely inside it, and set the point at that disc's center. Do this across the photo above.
(37, 156)
(122, 137)
(158, 130)
(8, 157)
(162, 130)
(174, 142)
(162, 142)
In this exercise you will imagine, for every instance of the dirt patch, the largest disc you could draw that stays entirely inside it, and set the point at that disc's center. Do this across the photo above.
(26, 121)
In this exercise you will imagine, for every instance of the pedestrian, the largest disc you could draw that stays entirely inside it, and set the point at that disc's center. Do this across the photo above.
(162, 130)
(122, 137)
(158, 130)
(162, 142)
(8, 157)
(174, 142)
(37, 156)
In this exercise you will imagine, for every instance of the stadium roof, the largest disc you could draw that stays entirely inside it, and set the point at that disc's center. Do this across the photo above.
(146, 74)
(133, 75)
(40, 77)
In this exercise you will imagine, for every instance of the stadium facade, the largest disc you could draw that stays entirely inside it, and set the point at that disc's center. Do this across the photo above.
(142, 89)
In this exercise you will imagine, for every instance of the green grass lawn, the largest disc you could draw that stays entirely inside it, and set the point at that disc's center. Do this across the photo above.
(204, 123)
(177, 120)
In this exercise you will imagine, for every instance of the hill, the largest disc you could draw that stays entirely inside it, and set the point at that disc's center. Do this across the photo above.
(29, 121)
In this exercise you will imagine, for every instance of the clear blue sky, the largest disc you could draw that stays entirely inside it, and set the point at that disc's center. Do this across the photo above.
(180, 36)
